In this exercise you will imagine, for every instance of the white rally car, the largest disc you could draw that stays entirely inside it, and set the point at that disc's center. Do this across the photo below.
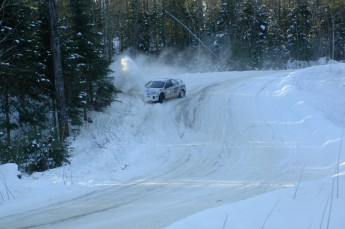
(160, 89)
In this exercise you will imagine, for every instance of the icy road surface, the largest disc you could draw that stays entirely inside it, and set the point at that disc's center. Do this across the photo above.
(234, 136)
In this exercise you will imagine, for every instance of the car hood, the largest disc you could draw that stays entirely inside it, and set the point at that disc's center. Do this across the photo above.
(153, 90)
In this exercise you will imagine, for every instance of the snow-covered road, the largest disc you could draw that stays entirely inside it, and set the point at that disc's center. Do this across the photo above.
(235, 136)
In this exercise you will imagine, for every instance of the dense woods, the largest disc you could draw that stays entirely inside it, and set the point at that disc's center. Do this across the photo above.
(55, 55)
(234, 35)
(53, 72)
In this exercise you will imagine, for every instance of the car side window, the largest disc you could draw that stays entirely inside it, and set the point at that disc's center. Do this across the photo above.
(174, 82)
(168, 84)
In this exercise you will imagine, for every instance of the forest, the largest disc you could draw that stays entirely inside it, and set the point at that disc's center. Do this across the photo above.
(55, 55)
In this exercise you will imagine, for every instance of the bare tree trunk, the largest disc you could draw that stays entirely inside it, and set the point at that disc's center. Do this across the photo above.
(128, 36)
(8, 121)
(279, 12)
(106, 31)
(332, 19)
(58, 77)
(164, 27)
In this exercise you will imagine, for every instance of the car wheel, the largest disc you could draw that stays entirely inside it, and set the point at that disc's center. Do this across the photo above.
(161, 98)
(182, 94)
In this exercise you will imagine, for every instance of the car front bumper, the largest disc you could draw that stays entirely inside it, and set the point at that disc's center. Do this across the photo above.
(152, 98)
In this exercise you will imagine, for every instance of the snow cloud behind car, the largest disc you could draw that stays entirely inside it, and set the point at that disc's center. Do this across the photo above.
(133, 73)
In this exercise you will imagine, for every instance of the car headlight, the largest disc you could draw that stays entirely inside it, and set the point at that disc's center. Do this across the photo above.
(124, 64)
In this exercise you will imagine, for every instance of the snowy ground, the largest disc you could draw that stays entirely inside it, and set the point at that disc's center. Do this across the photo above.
(255, 149)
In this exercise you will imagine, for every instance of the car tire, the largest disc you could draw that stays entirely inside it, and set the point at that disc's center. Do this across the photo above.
(161, 98)
(182, 94)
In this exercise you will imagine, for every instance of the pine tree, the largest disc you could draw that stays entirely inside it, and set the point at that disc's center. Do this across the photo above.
(8, 53)
(88, 84)
(24, 103)
(297, 21)
(155, 19)
(337, 33)
(276, 54)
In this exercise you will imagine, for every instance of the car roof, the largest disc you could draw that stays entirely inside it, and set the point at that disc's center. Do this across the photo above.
(164, 79)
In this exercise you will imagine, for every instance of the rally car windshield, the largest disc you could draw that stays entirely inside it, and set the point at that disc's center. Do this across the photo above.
(155, 84)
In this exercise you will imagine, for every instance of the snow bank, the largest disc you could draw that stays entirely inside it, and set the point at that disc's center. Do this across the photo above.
(315, 205)
(9, 181)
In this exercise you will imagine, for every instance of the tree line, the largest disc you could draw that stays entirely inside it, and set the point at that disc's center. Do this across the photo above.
(55, 55)
(244, 34)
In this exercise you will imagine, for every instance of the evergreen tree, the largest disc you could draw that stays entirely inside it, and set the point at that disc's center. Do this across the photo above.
(276, 54)
(319, 33)
(338, 29)
(155, 33)
(220, 29)
(298, 25)
(88, 84)
(25, 98)
(177, 36)
(134, 26)
(226, 32)
(8, 53)
(250, 43)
